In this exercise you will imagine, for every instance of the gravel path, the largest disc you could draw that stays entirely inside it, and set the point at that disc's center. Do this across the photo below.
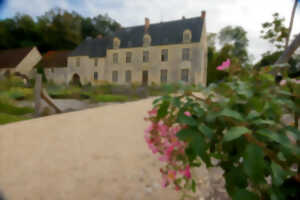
(92, 154)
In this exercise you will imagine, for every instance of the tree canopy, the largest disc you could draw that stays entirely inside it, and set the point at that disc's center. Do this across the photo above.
(56, 29)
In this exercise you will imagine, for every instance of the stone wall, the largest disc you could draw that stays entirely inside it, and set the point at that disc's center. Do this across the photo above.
(174, 65)
(27, 65)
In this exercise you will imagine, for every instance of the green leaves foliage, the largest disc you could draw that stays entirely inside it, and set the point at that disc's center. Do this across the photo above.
(240, 123)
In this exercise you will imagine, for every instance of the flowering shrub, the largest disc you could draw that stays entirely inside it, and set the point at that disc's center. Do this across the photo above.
(238, 124)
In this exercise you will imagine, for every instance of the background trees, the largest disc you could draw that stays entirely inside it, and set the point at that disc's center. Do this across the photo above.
(56, 29)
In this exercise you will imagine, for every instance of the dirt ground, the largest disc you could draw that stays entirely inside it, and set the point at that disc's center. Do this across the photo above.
(92, 154)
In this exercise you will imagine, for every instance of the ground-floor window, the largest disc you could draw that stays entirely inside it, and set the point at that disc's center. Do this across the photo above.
(95, 76)
(163, 76)
(185, 75)
(115, 76)
(128, 76)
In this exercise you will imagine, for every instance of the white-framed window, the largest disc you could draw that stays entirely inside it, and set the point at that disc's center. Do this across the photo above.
(128, 57)
(187, 36)
(145, 56)
(164, 76)
(115, 76)
(115, 58)
(186, 54)
(185, 75)
(95, 76)
(164, 55)
(128, 76)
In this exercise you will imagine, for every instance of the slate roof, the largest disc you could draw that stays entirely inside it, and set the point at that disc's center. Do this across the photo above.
(55, 59)
(164, 33)
(12, 57)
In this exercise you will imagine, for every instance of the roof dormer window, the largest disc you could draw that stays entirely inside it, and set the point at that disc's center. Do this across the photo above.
(187, 36)
(116, 43)
(147, 40)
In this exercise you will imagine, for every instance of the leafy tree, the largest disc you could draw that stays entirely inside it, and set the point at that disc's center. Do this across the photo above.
(275, 31)
(237, 37)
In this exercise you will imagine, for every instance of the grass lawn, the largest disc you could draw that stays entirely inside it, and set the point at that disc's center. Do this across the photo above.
(8, 118)
(110, 98)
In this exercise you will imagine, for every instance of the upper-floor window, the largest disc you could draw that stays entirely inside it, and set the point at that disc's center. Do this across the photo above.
(163, 76)
(115, 58)
(185, 75)
(187, 36)
(145, 56)
(95, 76)
(115, 76)
(164, 55)
(185, 54)
(128, 76)
(96, 62)
(147, 40)
(116, 43)
(128, 57)
(77, 62)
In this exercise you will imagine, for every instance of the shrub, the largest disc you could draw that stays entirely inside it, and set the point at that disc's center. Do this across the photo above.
(238, 124)
(14, 110)
(110, 98)
(7, 118)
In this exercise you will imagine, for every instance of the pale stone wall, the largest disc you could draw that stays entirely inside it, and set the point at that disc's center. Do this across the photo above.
(57, 74)
(86, 69)
(174, 65)
(27, 65)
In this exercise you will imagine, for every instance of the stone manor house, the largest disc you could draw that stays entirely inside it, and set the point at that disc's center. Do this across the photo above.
(165, 52)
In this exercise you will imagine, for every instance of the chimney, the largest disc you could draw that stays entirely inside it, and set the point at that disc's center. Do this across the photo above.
(147, 24)
(183, 17)
(203, 14)
(99, 36)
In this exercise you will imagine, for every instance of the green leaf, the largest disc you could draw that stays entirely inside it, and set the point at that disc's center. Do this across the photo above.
(263, 122)
(187, 134)
(163, 109)
(254, 164)
(198, 111)
(278, 174)
(243, 194)
(200, 147)
(182, 118)
(205, 130)
(252, 115)
(232, 114)
(193, 186)
(235, 132)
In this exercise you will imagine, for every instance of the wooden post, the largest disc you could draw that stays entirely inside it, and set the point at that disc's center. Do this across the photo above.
(37, 94)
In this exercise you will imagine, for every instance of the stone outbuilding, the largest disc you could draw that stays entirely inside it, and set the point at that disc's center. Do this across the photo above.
(160, 53)
(21, 61)
(55, 66)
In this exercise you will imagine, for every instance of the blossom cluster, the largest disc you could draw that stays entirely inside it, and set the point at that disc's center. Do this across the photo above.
(162, 140)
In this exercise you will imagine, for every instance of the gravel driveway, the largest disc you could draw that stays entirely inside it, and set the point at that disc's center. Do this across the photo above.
(92, 154)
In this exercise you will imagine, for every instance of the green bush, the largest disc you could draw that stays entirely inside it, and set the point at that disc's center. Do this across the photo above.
(7, 118)
(8, 108)
(110, 98)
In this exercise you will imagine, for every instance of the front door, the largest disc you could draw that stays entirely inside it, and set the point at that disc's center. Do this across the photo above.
(145, 77)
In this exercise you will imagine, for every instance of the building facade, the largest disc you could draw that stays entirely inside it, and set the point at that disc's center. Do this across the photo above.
(22, 61)
(161, 53)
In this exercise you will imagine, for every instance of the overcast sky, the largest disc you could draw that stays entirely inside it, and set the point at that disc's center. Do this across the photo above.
(247, 13)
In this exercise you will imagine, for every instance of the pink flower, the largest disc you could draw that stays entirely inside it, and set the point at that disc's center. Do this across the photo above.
(150, 128)
(224, 65)
(177, 187)
(171, 175)
(187, 113)
(282, 82)
(186, 172)
(153, 148)
(165, 182)
(163, 129)
(163, 158)
(153, 112)
(296, 81)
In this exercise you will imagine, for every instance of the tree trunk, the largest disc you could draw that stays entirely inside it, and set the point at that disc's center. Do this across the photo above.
(291, 24)
(287, 54)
